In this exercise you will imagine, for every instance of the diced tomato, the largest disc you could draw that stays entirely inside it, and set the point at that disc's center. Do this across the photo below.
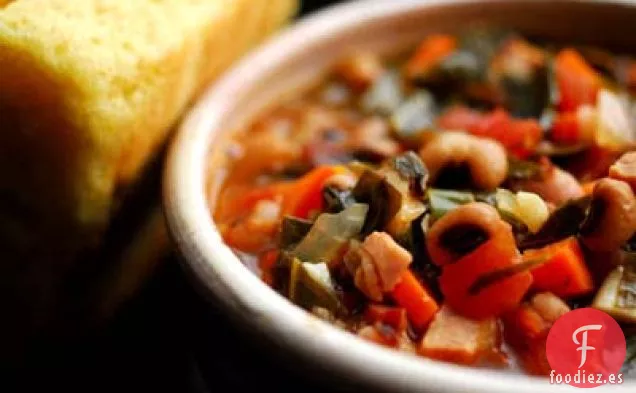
(429, 54)
(519, 136)
(578, 82)
(565, 129)
(564, 271)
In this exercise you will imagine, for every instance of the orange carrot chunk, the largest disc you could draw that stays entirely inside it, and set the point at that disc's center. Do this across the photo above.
(420, 306)
(429, 54)
(304, 196)
(485, 282)
(578, 82)
(564, 271)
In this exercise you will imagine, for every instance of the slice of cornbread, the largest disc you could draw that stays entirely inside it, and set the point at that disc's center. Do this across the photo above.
(88, 92)
(89, 89)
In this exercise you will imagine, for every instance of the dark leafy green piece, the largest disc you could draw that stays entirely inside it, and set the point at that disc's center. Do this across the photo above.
(293, 230)
(411, 168)
(441, 201)
(330, 233)
(463, 65)
(414, 117)
(336, 200)
(310, 285)
(422, 262)
(392, 194)
(524, 83)
(406, 175)
(562, 223)
(483, 43)
(373, 190)
(454, 75)
(527, 97)
(462, 75)
(385, 95)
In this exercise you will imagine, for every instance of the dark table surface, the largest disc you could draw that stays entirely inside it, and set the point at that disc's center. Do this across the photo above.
(166, 339)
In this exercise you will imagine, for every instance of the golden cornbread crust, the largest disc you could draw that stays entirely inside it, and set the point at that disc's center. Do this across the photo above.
(88, 91)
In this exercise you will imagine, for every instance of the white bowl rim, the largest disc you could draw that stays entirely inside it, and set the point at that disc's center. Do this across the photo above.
(219, 271)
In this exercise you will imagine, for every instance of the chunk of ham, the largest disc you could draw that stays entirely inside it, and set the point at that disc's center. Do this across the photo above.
(454, 338)
(377, 264)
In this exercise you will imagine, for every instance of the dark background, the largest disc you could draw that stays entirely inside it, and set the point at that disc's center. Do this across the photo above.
(166, 339)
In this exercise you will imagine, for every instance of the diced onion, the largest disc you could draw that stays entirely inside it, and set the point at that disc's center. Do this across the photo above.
(614, 128)
(532, 210)
(527, 207)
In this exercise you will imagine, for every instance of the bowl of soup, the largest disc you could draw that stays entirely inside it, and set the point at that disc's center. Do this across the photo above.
(410, 195)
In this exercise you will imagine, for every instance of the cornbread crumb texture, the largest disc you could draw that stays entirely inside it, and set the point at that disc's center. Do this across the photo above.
(98, 83)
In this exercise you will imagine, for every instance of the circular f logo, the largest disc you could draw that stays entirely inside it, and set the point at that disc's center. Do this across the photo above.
(587, 346)
(584, 347)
